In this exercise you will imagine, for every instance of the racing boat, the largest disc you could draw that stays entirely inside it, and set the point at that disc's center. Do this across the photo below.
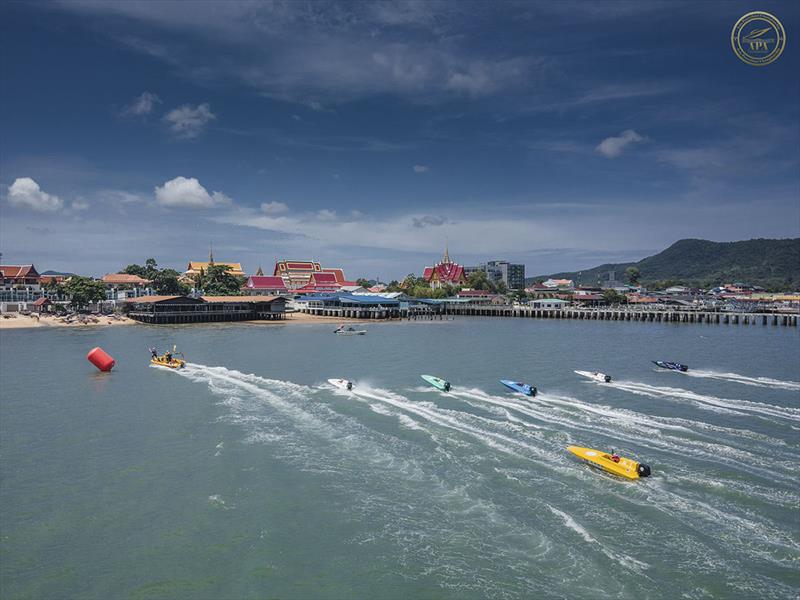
(349, 331)
(522, 388)
(437, 382)
(596, 375)
(168, 359)
(342, 384)
(673, 366)
(618, 465)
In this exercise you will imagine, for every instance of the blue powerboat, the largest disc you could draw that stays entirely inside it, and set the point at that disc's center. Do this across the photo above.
(522, 388)
(672, 366)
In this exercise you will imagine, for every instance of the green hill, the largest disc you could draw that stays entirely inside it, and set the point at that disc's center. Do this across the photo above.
(773, 264)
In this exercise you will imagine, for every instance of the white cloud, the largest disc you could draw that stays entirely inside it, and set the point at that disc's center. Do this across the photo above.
(142, 105)
(274, 208)
(189, 121)
(326, 215)
(79, 205)
(421, 168)
(183, 192)
(26, 193)
(612, 147)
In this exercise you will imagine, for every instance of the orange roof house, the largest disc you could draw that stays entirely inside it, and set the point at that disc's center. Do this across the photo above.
(19, 275)
(124, 279)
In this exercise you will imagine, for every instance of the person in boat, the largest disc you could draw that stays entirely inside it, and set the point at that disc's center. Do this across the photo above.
(168, 356)
(614, 456)
(153, 352)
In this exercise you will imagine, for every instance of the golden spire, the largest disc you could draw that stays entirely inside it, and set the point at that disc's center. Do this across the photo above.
(446, 259)
(260, 272)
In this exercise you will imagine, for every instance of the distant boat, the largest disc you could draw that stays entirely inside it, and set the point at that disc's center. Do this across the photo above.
(437, 382)
(342, 384)
(349, 331)
(596, 375)
(672, 366)
(522, 388)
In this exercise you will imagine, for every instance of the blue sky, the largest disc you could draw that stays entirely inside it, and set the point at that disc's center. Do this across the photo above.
(562, 135)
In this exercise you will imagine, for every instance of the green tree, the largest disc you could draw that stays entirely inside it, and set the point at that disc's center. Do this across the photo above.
(478, 280)
(220, 282)
(53, 287)
(83, 290)
(632, 274)
(137, 270)
(612, 297)
(148, 271)
(362, 282)
(166, 282)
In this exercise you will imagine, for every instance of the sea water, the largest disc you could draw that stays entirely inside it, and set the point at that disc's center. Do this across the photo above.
(247, 476)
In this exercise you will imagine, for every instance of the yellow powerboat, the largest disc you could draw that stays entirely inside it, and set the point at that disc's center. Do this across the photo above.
(618, 465)
(168, 359)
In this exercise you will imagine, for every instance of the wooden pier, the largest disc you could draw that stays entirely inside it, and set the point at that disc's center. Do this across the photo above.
(626, 314)
(589, 314)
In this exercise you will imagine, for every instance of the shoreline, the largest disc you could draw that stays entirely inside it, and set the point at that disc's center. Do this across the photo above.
(50, 322)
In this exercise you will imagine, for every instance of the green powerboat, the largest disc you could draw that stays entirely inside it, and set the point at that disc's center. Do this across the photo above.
(437, 382)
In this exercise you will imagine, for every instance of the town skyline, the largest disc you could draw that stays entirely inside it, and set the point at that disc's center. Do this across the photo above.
(385, 130)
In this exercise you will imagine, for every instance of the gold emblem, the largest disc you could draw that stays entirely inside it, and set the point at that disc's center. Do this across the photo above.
(758, 38)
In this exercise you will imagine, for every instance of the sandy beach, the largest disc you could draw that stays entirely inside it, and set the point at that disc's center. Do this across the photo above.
(45, 321)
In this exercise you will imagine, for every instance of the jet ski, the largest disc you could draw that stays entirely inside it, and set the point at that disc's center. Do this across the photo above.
(611, 462)
(596, 375)
(349, 331)
(342, 384)
(672, 366)
(437, 382)
(168, 359)
(522, 388)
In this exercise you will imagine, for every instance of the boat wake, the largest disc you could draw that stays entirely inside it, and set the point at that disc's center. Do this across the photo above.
(432, 473)
(713, 403)
(766, 382)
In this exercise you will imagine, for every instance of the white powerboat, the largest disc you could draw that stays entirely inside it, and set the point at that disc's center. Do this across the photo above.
(342, 384)
(596, 376)
(349, 331)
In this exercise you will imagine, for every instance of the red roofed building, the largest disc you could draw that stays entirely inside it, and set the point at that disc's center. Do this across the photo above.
(444, 273)
(298, 273)
(258, 285)
(19, 275)
(320, 283)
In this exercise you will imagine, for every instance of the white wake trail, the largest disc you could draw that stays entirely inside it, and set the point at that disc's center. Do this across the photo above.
(725, 405)
(766, 382)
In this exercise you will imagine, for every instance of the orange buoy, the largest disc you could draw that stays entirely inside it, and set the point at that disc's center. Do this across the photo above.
(100, 359)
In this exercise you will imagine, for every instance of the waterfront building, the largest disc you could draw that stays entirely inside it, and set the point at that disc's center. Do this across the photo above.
(19, 283)
(259, 285)
(298, 273)
(550, 303)
(477, 296)
(185, 309)
(120, 286)
(320, 282)
(444, 273)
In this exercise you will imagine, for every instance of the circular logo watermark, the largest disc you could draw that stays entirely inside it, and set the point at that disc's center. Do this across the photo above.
(758, 38)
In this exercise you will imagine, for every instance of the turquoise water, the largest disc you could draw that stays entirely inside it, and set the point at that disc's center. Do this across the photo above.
(247, 476)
